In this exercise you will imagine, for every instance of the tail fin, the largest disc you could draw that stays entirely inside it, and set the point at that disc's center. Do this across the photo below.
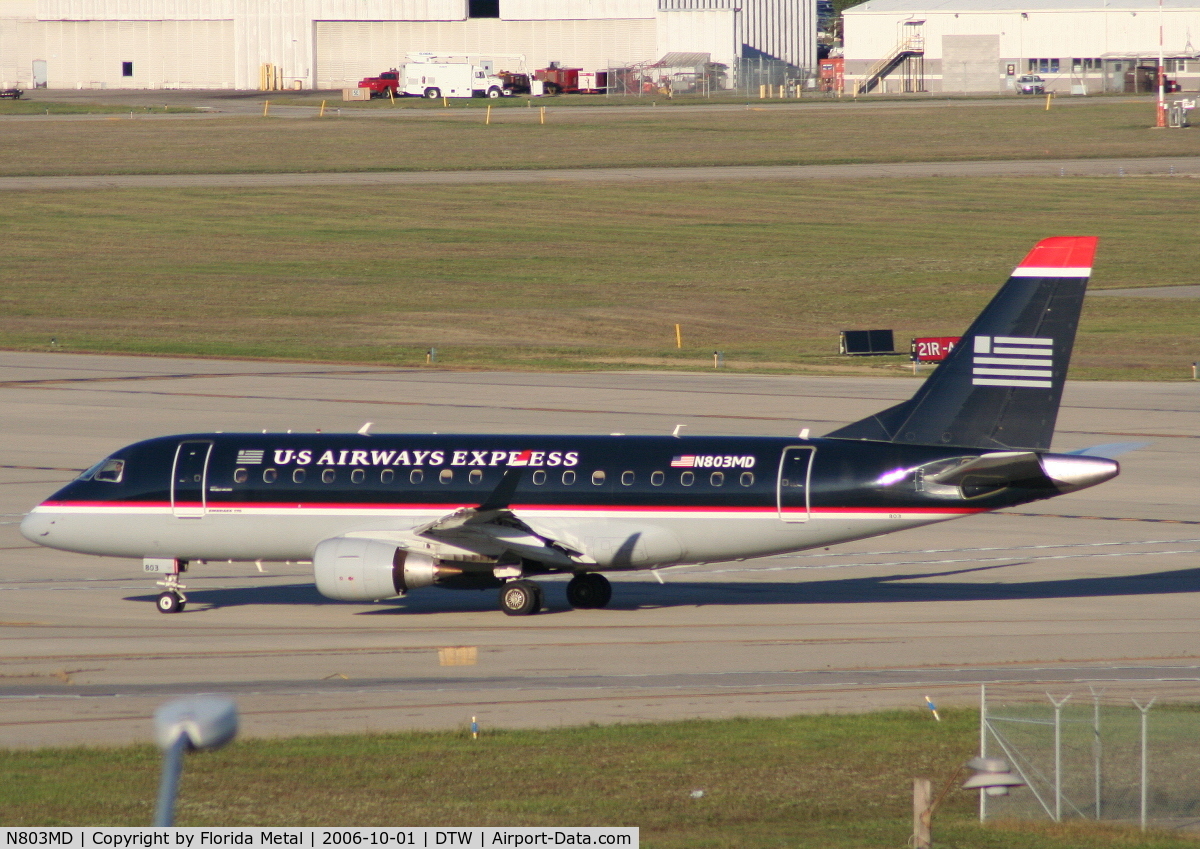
(1001, 385)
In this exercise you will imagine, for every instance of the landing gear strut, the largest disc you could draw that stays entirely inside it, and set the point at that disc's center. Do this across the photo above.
(171, 599)
(589, 590)
(521, 598)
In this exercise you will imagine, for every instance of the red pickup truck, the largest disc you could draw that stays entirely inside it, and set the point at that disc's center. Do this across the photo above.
(380, 86)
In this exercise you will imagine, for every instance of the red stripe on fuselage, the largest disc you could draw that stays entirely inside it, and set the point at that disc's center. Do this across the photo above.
(443, 507)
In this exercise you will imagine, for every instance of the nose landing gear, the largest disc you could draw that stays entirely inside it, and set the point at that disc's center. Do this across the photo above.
(171, 599)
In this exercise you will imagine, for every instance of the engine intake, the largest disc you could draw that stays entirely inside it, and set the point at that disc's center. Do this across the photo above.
(355, 569)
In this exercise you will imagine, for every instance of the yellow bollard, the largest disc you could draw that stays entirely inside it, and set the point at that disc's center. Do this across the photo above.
(678, 337)
(266, 106)
(391, 95)
(445, 102)
(542, 110)
(1049, 95)
(488, 120)
(762, 92)
(322, 112)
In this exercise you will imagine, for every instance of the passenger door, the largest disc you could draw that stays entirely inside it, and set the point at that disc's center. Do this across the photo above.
(189, 478)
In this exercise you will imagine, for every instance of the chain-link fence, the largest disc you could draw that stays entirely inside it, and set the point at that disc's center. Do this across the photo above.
(1099, 751)
(751, 78)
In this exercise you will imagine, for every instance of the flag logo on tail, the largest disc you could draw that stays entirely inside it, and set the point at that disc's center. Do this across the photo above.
(1023, 361)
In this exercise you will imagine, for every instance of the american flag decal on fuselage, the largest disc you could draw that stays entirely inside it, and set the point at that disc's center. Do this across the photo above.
(1023, 361)
(249, 457)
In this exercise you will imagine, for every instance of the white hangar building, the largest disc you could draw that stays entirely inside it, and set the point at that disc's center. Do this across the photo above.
(334, 43)
(985, 46)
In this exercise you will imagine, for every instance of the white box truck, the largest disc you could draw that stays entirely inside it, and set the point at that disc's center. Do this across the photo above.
(452, 79)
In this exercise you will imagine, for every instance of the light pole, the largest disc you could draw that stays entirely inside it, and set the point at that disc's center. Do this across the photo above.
(991, 775)
(196, 723)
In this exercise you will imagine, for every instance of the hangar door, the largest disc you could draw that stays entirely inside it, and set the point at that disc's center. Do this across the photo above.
(971, 63)
(134, 54)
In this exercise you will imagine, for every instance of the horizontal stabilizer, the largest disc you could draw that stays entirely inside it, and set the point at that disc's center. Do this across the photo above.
(1109, 450)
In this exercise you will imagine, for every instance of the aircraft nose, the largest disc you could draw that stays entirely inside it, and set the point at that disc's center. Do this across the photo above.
(36, 527)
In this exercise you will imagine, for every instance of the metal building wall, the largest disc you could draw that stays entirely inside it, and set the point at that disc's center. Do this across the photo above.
(89, 54)
(700, 31)
(773, 29)
(569, 10)
(1036, 33)
(349, 50)
(780, 29)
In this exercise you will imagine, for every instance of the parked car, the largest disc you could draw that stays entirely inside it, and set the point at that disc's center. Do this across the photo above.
(1031, 84)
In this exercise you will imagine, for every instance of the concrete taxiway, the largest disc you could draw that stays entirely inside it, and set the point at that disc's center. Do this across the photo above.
(1100, 585)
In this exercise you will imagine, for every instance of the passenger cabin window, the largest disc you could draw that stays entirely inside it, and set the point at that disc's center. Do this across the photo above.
(747, 479)
(387, 476)
(687, 478)
(568, 477)
(416, 476)
(597, 478)
(627, 478)
(358, 476)
(299, 475)
(240, 476)
(539, 477)
(717, 478)
(269, 475)
(657, 478)
(328, 476)
(446, 476)
(475, 476)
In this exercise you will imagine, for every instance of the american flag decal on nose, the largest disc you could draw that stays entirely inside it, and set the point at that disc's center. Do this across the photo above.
(1013, 361)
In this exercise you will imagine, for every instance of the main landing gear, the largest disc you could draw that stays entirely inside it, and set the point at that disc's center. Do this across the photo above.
(589, 590)
(521, 598)
(585, 590)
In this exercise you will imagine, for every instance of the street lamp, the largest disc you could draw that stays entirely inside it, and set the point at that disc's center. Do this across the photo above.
(991, 775)
(195, 723)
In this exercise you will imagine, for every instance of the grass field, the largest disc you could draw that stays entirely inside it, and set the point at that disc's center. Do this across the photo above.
(596, 276)
(819, 781)
(36, 107)
(456, 138)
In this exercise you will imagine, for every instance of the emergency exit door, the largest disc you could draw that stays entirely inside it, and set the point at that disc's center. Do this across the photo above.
(795, 471)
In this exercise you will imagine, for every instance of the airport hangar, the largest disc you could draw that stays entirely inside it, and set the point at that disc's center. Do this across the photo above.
(985, 46)
(306, 44)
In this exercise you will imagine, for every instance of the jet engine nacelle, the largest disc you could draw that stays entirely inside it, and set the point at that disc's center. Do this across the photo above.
(355, 569)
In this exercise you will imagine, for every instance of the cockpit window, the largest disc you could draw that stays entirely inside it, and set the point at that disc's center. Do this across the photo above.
(110, 470)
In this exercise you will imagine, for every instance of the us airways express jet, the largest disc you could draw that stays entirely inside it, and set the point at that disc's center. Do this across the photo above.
(381, 515)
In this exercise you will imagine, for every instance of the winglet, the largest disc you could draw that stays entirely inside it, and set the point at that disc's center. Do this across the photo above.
(504, 491)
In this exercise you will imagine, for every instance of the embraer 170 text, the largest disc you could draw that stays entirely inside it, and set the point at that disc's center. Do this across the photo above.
(381, 515)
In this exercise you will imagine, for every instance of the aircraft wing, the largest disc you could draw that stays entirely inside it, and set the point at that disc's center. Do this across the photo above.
(495, 532)
(492, 529)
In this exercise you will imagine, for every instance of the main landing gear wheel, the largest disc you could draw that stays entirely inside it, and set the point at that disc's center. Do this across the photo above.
(520, 598)
(589, 590)
(170, 603)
